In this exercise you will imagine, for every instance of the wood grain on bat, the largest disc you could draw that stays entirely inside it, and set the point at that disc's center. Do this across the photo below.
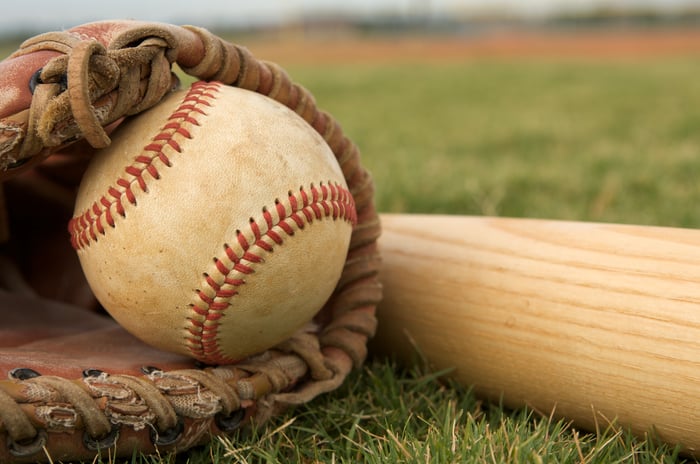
(598, 321)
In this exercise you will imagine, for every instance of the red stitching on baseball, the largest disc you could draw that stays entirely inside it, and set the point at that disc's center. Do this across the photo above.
(213, 299)
(330, 201)
(86, 228)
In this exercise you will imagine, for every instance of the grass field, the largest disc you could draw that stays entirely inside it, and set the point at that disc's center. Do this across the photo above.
(564, 138)
(556, 139)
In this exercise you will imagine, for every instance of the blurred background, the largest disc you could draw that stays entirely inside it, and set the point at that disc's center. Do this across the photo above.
(458, 16)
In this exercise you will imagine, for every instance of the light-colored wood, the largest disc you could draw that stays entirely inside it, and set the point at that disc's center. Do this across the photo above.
(594, 321)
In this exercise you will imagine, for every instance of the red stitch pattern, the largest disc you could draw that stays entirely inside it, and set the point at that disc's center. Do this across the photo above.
(87, 227)
(325, 201)
(214, 299)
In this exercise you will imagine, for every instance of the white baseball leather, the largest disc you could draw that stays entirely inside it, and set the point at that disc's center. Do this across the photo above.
(215, 225)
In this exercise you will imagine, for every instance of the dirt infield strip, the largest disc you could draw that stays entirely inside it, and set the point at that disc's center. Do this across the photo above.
(633, 44)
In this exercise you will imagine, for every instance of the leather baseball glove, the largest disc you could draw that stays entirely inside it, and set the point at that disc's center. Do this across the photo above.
(74, 383)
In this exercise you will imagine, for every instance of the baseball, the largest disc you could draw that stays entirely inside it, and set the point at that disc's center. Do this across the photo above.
(215, 225)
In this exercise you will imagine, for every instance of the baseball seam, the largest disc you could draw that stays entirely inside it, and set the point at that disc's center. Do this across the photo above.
(326, 200)
(85, 228)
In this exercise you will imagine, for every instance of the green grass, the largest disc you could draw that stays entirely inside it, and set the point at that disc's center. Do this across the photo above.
(388, 414)
(570, 140)
(581, 140)
(381, 417)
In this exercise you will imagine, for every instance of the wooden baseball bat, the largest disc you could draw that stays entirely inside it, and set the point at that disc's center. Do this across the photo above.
(597, 322)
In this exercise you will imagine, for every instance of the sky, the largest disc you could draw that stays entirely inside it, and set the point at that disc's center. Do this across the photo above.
(46, 15)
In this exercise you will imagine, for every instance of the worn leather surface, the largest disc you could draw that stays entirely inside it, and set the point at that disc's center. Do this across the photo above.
(75, 381)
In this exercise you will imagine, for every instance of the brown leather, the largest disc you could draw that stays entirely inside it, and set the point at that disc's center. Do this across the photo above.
(75, 380)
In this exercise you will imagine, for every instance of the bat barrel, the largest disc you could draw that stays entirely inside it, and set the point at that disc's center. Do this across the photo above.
(597, 322)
